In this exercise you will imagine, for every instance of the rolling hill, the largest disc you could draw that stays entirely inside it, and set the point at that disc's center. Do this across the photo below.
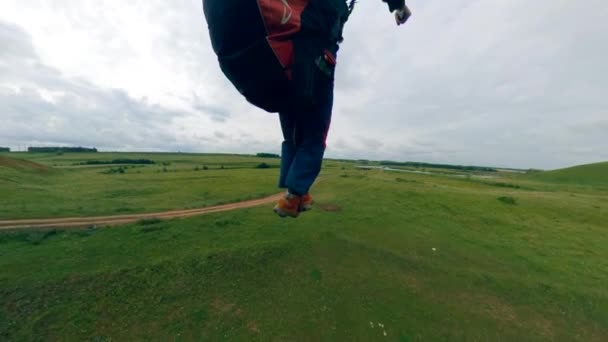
(589, 175)
(22, 165)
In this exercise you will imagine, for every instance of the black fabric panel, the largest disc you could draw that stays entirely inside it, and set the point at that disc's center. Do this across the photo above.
(322, 23)
(258, 75)
(394, 4)
(233, 24)
(238, 37)
(325, 19)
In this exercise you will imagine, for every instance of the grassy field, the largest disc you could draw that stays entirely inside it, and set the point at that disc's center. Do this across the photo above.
(54, 186)
(386, 256)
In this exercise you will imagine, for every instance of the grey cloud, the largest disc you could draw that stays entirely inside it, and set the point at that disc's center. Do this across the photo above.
(507, 83)
(216, 113)
(370, 143)
(77, 113)
(593, 127)
(16, 44)
(341, 144)
(101, 118)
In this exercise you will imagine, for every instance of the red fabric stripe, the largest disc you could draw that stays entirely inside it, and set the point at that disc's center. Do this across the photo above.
(282, 19)
(329, 57)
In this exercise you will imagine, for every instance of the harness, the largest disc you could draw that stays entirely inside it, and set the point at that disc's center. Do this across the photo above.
(303, 37)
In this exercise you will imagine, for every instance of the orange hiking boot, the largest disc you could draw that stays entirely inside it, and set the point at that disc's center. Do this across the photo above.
(288, 206)
(306, 203)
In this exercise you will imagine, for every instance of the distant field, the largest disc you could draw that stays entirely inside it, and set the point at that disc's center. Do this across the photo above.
(51, 185)
(384, 256)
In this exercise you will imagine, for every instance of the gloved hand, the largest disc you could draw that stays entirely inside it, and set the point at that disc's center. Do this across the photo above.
(402, 15)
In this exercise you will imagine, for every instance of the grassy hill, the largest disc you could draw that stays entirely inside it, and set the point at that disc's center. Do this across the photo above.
(21, 165)
(384, 256)
(590, 175)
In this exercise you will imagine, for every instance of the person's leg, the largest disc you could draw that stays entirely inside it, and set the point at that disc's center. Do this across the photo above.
(304, 150)
(311, 129)
(288, 147)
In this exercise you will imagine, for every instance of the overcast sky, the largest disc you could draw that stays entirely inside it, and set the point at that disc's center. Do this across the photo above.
(488, 82)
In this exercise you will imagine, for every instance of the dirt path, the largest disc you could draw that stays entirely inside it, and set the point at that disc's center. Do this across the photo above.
(74, 222)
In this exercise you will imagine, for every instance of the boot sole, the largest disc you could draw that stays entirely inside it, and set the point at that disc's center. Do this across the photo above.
(306, 208)
(284, 214)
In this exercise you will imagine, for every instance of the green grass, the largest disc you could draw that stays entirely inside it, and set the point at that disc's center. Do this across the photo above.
(172, 183)
(590, 175)
(428, 257)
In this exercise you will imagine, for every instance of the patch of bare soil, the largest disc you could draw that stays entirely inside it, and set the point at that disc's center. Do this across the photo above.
(19, 164)
(75, 222)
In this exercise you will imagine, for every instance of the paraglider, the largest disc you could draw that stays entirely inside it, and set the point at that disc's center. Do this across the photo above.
(281, 56)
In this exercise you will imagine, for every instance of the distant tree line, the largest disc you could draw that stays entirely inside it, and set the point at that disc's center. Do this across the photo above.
(438, 166)
(350, 161)
(60, 149)
(117, 161)
(5, 149)
(268, 155)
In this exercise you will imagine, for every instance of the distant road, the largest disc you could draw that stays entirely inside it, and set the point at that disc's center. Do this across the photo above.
(75, 222)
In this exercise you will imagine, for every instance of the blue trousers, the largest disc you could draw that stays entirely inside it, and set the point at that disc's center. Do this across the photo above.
(305, 132)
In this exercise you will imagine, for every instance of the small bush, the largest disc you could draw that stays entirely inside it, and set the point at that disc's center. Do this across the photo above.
(227, 222)
(149, 221)
(85, 233)
(115, 170)
(508, 200)
(403, 180)
(504, 185)
(152, 228)
(36, 238)
(263, 166)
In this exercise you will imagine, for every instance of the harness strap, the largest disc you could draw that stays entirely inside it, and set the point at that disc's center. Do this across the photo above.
(351, 7)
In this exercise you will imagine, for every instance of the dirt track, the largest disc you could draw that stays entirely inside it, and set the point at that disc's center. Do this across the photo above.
(74, 222)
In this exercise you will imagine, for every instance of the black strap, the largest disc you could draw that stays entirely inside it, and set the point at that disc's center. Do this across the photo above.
(351, 7)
